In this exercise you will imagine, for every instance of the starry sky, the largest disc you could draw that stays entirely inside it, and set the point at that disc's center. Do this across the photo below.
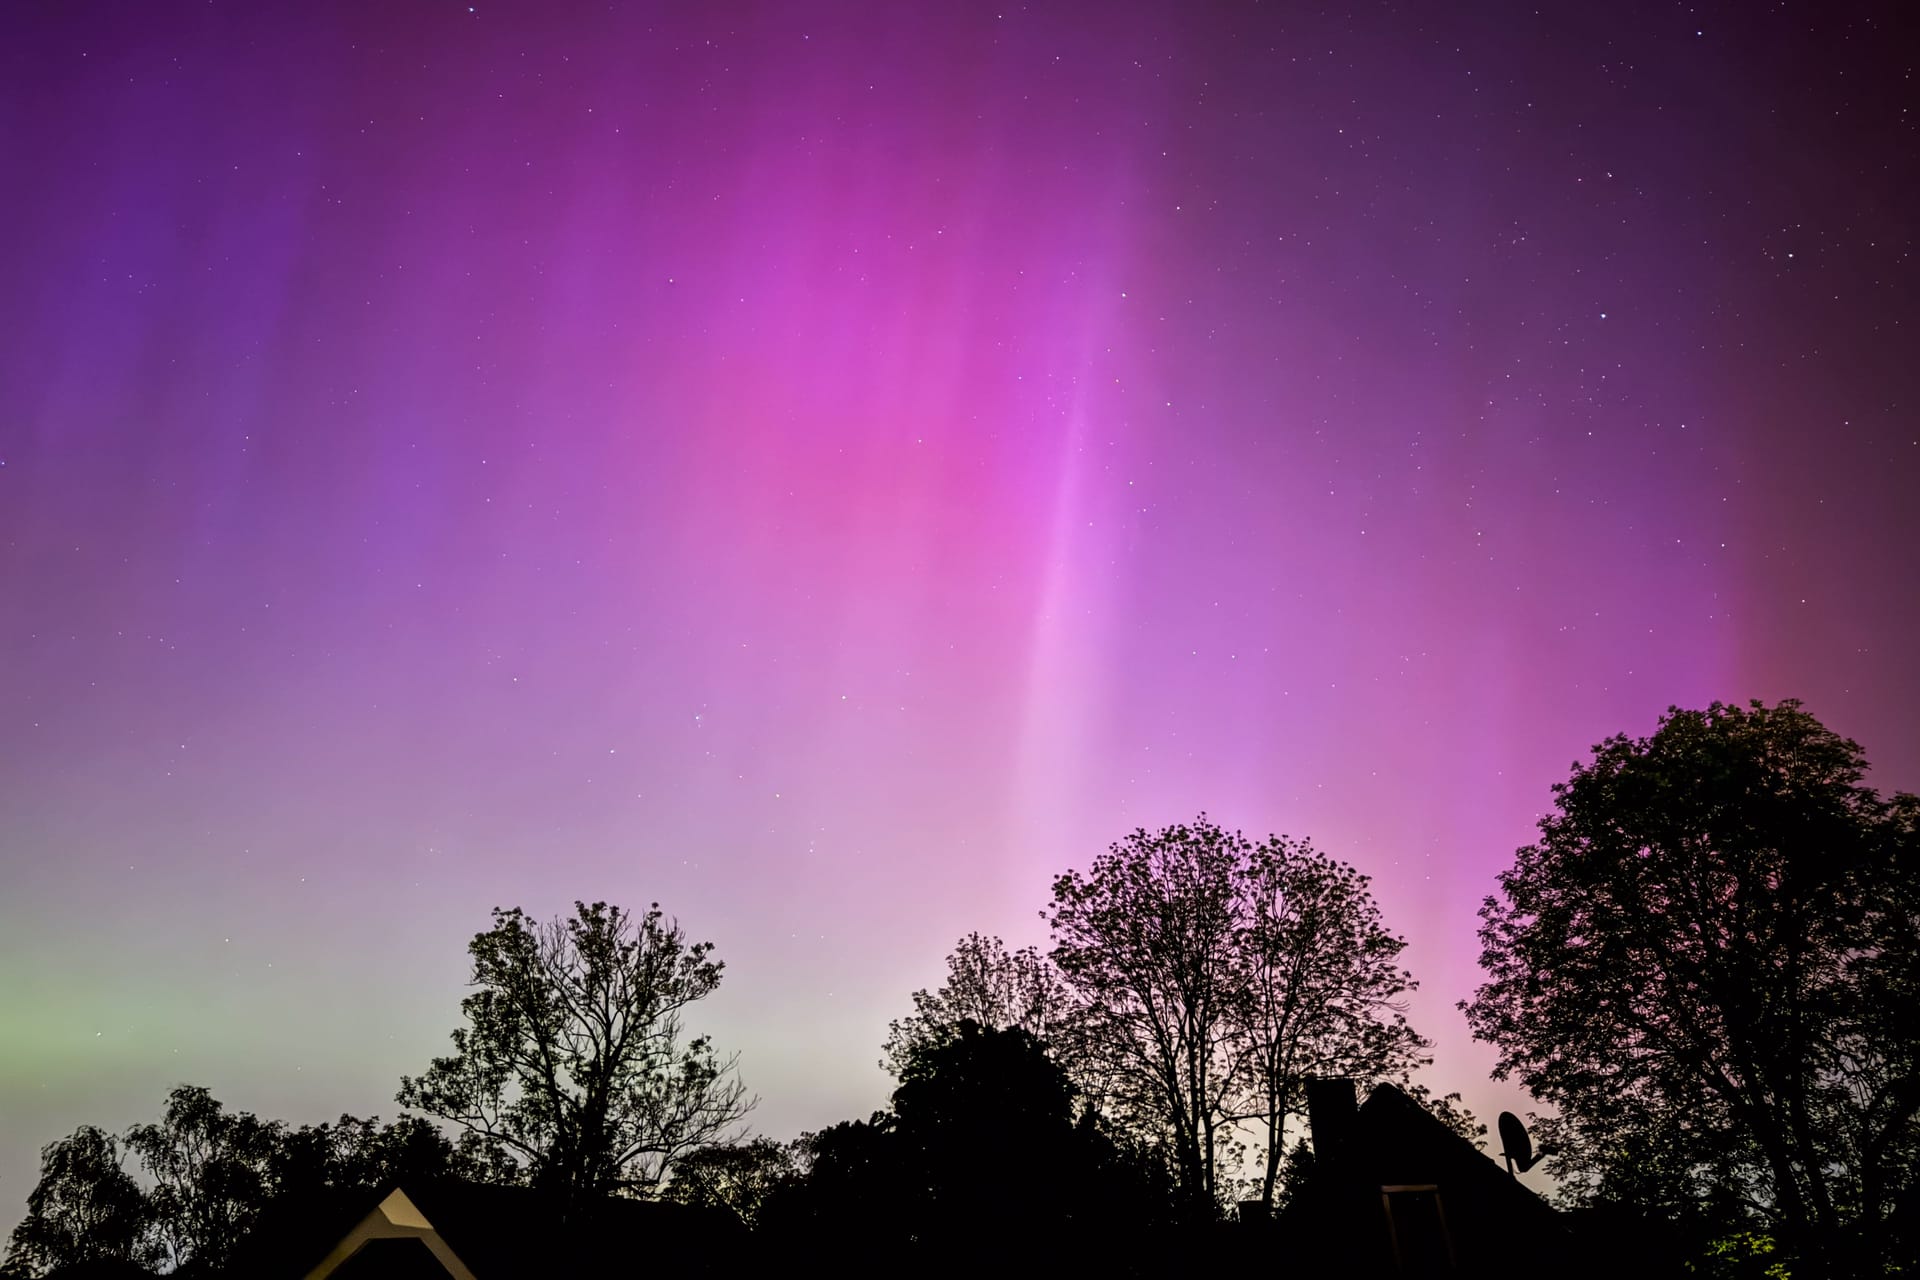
(830, 467)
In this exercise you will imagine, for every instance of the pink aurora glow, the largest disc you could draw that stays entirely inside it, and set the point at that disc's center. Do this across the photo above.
(828, 469)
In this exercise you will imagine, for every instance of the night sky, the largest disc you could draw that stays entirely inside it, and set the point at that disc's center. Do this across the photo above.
(829, 468)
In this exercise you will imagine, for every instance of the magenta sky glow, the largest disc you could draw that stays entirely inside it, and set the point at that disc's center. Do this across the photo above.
(829, 468)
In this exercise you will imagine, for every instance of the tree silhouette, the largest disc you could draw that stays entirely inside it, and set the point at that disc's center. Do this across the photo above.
(573, 1065)
(735, 1176)
(1212, 976)
(1147, 939)
(986, 1123)
(1320, 994)
(852, 1207)
(86, 1207)
(1704, 948)
(219, 1179)
(322, 1175)
(983, 1146)
(994, 988)
(360, 1155)
(210, 1172)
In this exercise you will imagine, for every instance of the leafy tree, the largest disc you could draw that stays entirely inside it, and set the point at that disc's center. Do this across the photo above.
(1148, 940)
(983, 1130)
(1212, 978)
(1296, 1171)
(210, 1173)
(852, 1203)
(991, 986)
(735, 1176)
(989, 1130)
(1706, 955)
(321, 1175)
(1697, 1184)
(986, 1121)
(220, 1179)
(1878, 1052)
(1320, 992)
(85, 1208)
(573, 1065)
(361, 1155)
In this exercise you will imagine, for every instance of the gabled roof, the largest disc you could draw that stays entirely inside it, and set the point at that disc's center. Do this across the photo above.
(478, 1232)
(1474, 1215)
(1404, 1143)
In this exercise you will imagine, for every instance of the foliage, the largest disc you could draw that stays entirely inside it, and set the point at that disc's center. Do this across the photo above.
(1296, 1170)
(1702, 964)
(1212, 977)
(1321, 994)
(849, 1196)
(985, 1122)
(1146, 939)
(573, 1066)
(214, 1176)
(573, 1071)
(210, 1170)
(324, 1174)
(352, 1154)
(86, 1207)
(990, 986)
(1744, 1255)
(735, 1176)
(983, 1129)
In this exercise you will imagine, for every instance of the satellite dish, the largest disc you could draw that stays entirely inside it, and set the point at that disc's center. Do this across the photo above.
(1515, 1145)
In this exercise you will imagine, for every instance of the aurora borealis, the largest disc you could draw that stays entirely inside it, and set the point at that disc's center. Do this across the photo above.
(829, 468)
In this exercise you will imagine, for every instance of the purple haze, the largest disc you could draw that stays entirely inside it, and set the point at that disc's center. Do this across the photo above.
(828, 468)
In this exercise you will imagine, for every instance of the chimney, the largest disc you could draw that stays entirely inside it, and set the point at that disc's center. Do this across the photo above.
(1333, 1116)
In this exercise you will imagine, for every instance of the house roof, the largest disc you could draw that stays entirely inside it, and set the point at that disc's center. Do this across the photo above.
(1404, 1143)
(494, 1232)
(1390, 1145)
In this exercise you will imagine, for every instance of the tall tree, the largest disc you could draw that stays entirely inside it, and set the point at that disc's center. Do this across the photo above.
(210, 1169)
(1695, 949)
(1320, 992)
(574, 1064)
(986, 984)
(85, 1208)
(1879, 1053)
(1148, 939)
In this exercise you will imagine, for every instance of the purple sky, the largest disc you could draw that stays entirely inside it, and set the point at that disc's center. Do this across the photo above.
(831, 468)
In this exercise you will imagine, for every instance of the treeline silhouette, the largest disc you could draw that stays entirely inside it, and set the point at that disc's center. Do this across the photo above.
(1706, 968)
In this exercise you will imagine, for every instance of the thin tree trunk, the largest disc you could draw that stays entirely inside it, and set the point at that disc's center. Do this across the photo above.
(1276, 1149)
